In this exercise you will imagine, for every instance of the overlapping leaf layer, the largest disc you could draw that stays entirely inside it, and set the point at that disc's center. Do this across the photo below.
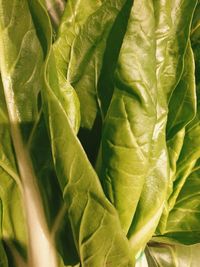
(123, 73)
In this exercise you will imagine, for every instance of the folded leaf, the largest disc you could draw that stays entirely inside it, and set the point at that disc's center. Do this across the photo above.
(183, 193)
(185, 176)
(55, 9)
(100, 240)
(135, 168)
(182, 109)
(21, 64)
(81, 45)
(166, 255)
(13, 224)
(183, 221)
(3, 257)
(195, 31)
(182, 105)
(125, 146)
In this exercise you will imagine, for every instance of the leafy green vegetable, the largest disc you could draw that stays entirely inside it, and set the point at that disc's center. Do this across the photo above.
(3, 257)
(79, 182)
(183, 169)
(55, 10)
(136, 159)
(182, 105)
(80, 48)
(111, 84)
(179, 116)
(159, 255)
(20, 87)
(183, 221)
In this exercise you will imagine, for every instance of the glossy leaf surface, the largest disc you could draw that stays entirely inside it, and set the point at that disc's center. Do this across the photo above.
(78, 181)
(166, 255)
(81, 45)
(128, 73)
(135, 158)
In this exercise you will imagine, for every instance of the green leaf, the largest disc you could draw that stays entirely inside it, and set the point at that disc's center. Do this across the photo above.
(195, 31)
(182, 105)
(21, 65)
(13, 224)
(183, 187)
(78, 181)
(9, 179)
(182, 109)
(66, 94)
(166, 255)
(183, 221)
(174, 149)
(55, 9)
(135, 170)
(121, 131)
(99, 241)
(81, 43)
(183, 169)
(3, 257)
(111, 54)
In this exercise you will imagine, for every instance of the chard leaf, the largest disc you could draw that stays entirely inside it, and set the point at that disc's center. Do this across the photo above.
(182, 109)
(80, 46)
(183, 222)
(135, 159)
(167, 255)
(182, 105)
(183, 187)
(171, 74)
(195, 31)
(174, 149)
(66, 94)
(3, 257)
(21, 64)
(174, 146)
(36, 139)
(99, 241)
(55, 9)
(184, 165)
(113, 45)
(101, 236)
(125, 156)
(13, 224)
(185, 176)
